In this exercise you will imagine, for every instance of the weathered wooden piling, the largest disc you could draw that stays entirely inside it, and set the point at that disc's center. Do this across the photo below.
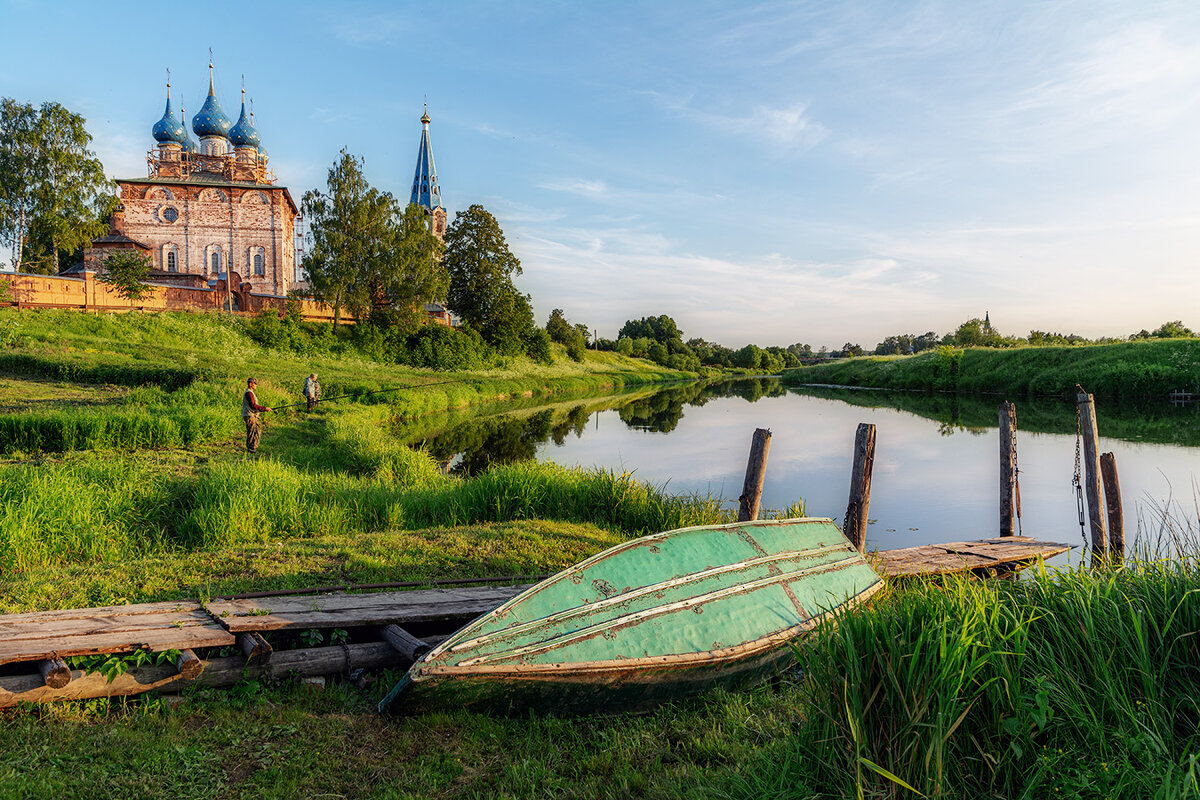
(1112, 501)
(855, 525)
(55, 672)
(255, 647)
(1091, 479)
(1008, 463)
(756, 473)
(189, 665)
(404, 642)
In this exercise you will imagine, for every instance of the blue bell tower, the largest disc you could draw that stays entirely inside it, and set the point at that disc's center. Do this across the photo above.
(425, 190)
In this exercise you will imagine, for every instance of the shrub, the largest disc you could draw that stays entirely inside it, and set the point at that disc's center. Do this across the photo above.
(443, 348)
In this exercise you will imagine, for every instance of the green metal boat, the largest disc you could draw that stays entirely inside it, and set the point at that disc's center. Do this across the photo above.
(649, 620)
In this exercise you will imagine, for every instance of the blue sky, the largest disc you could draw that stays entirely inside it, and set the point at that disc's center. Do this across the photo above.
(772, 172)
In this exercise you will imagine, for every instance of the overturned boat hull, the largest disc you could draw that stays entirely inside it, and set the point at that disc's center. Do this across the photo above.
(647, 621)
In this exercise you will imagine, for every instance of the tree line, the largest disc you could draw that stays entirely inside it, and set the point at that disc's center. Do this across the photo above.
(977, 332)
(54, 198)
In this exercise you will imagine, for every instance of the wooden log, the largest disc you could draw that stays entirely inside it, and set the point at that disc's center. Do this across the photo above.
(1091, 463)
(756, 472)
(254, 647)
(15, 689)
(405, 643)
(1112, 502)
(189, 665)
(55, 672)
(1008, 424)
(855, 527)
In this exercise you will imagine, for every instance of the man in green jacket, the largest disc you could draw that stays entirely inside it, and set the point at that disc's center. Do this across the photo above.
(250, 412)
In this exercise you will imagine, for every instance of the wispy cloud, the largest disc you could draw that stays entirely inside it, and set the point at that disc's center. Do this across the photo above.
(327, 116)
(360, 30)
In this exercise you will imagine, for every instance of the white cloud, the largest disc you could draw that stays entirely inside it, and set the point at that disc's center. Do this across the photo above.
(360, 30)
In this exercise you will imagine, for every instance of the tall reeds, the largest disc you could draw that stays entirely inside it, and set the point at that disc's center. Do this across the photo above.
(1081, 684)
(131, 427)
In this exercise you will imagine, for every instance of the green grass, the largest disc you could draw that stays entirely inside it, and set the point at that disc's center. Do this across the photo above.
(1065, 685)
(1074, 684)
(1129, 369)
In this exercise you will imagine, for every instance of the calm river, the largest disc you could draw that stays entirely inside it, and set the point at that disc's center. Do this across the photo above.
(936, 476)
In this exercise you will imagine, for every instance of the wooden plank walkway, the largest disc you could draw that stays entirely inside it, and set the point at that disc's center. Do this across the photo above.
(174, 625)
(353, 610)
(1002, 553)
(186, 625)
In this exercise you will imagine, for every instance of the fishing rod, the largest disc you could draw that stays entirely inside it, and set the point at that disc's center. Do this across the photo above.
(377, 391)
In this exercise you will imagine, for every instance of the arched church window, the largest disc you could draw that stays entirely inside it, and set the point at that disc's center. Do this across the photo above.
(260, 261)
(216, 259)
(170, 258)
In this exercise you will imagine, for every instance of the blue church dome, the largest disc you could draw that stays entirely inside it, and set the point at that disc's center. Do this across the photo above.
(189, 144)
(210, 120)
(243, 133)
(169, 128)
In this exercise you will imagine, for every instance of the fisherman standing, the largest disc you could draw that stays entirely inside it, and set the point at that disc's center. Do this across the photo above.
(250, 411)
(312, 391)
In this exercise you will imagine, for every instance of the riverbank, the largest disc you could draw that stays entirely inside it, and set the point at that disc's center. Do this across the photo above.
(1080, 684)
(1152, 368)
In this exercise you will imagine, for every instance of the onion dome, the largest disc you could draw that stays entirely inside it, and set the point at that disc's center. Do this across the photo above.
(243, 133)
(187, 142)
(169, 128)
(210, 120)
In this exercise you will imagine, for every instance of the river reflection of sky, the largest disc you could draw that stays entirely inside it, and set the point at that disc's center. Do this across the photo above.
(927, 487)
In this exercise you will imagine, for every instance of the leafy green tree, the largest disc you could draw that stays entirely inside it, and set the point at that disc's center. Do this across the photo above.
(537, 346)
(343, 224)
(481, 270)
(1172, 330)
(126, 271)
(51, 184)
(559, 329)
(625, 346)
(403, 269)
(749, 357)
(661, 329)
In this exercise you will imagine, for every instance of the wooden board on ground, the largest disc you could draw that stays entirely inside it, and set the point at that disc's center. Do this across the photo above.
(352, 610)
(1002, 553)
(175, 625)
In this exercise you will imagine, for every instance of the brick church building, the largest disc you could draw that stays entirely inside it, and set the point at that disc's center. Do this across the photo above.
(207, 209)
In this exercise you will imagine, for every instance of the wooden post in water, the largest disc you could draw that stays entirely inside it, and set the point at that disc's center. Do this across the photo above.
(1112, 500)
(1008, 432)
(855, 525)
(1091, 480)
(756, 472)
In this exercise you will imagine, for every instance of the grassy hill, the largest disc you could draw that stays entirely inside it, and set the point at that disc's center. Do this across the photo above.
(123, 479)
(1127, 369)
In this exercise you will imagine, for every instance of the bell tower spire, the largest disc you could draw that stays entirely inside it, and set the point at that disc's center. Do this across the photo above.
(425, 190)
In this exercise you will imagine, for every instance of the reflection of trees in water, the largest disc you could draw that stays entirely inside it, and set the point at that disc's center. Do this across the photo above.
(1129, 419)
(661, 412)
(505, 439)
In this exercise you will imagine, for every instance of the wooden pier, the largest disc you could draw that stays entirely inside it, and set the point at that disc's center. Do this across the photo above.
(33, 646)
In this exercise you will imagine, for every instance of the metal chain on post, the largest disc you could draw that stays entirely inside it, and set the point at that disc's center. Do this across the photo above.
(1078, 479)
(1016, 469)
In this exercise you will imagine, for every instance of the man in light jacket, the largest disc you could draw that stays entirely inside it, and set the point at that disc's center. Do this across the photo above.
(312, 391)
